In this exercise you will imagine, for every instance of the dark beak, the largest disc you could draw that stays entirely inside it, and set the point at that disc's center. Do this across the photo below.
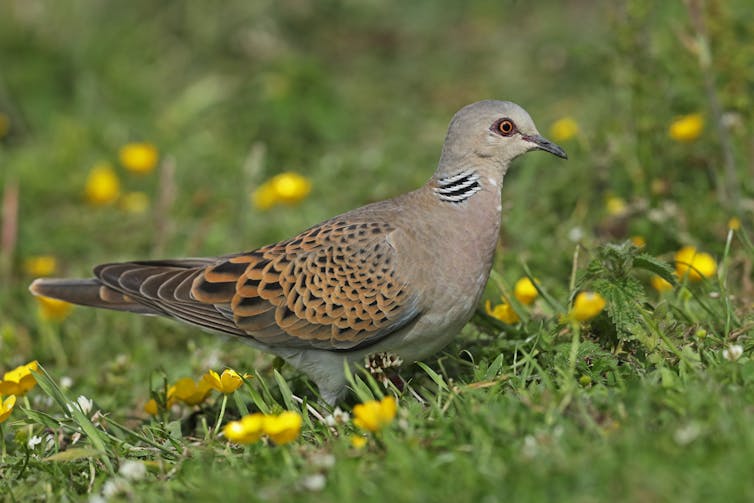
(543, 143)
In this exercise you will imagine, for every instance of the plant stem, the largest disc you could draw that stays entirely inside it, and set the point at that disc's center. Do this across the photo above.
(569, 380)
(221, 415)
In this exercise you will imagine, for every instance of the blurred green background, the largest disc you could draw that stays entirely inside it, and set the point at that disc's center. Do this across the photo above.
(356, 97)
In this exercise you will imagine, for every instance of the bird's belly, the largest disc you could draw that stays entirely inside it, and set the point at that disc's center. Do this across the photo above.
(432, 331)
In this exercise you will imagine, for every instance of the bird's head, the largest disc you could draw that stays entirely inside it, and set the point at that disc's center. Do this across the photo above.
(492, 133)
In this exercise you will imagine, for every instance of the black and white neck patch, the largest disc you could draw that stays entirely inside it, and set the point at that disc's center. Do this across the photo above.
(459, 187)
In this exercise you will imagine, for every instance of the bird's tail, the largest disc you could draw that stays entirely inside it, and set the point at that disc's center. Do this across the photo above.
(87, 292)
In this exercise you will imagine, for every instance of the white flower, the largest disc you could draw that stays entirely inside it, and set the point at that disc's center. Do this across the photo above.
(732, 120)
(576, 234)
(114, 487)
(66, 382)
(687, 434)
(323, 460)
(85, 404)
(337, 417)
(733, 352)
(314, 482)
(33, 442)
(133, 470)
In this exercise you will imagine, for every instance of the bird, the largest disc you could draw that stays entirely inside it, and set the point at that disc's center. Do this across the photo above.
(398, 277)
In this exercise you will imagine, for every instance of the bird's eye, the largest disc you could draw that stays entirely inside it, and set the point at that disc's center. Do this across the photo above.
(506, 127)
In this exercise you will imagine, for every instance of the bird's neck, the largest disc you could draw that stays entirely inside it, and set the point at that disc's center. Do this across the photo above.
(465, 211)
(458, 187)
(453, 163)
(461, 181)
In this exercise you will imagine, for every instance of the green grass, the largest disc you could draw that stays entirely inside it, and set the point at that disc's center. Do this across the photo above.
(637, 405)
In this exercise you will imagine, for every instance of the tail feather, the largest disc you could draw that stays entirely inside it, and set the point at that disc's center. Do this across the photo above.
(160, 287)
(87, 292)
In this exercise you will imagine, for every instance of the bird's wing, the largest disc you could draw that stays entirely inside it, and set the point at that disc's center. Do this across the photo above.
(334, 286)
(159, 287)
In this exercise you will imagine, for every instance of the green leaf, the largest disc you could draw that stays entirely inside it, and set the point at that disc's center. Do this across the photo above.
(617, 259)
(42, 418)
(285, 391)
(49, 387)
(495, 367)
(437, 378)
(357, 384)
(240, 404)
(668, 377)
(624, 297)
(70, 408)
(111, 423)
(265, 395)
(256, 397)
(74, 454)
(656, 266)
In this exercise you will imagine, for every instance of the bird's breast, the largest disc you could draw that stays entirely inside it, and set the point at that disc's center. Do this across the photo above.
(451, 256)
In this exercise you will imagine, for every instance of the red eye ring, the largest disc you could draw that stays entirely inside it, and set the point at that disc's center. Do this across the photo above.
(506, 127)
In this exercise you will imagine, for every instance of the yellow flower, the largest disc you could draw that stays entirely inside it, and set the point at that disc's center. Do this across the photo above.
(53, 309)
(283, 428)
(639, 241)
(285, 188)
(19, 380)
(525, 291)
(226, 383)
(40, 265)
(264, 197)
(170, 397)
(586, 306)
(660, 284)
(697, 265)
(358, 441)
(102, 185)
(564, 129)
(4, 125)
(615, 205)
(134, 202)
(375, 415)
(686, 128)
(189, 391)
(138, 158)
(6, 407)
(503, 312)
(246, 431)
(734, 224)
(151, 407)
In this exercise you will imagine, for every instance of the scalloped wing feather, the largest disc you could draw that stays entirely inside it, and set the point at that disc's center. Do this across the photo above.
(334, 286)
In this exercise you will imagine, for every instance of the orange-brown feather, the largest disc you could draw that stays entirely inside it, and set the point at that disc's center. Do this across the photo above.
(333, 286)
